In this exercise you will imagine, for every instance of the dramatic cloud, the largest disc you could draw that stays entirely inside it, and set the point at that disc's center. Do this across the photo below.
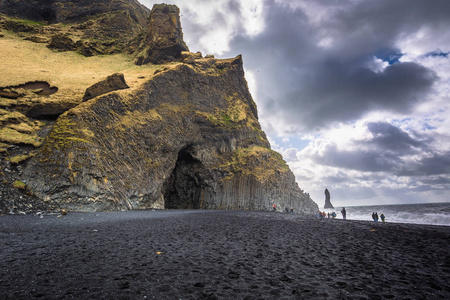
(353, 93)
(332, 71)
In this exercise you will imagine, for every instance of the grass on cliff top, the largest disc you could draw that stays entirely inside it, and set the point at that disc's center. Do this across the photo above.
(15, 128)
(263, 162)
(24, 61)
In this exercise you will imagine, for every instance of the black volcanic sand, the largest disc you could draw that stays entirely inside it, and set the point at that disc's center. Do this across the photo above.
(219, 255)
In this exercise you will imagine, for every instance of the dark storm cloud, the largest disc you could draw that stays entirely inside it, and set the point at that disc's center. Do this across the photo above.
(312, 86)
(384, 152)
(435, 164)
(390, 138)
(335, 91)
(389, 150)
(436, 180)
(365, 160)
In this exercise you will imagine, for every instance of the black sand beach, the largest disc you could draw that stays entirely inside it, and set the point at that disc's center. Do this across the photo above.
(219, 255)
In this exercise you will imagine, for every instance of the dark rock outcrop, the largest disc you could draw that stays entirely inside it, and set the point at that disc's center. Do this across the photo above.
(48, 109)
(164, 39)
(62, 42)
(187, 138)
(327, 200)
(112, 83)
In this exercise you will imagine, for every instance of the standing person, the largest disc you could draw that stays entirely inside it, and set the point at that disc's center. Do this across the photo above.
(373, 216)
(376, 217)
(274, 207)
(344, 213)
(382, 218)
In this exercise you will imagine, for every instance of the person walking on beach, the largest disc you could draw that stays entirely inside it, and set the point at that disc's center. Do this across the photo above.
(382, 218)
(344, 213)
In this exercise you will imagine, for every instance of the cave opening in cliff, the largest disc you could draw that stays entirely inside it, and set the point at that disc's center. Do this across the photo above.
(183, 190)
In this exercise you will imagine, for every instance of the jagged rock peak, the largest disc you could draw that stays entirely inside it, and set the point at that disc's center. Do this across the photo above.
(164, 39)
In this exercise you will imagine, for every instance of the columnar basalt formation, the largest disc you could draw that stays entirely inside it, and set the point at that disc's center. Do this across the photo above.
(187, 138)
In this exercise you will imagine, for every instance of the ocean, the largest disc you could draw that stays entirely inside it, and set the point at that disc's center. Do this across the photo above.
(427, 213)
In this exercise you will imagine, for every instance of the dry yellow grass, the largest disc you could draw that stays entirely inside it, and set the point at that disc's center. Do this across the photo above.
(24, 61)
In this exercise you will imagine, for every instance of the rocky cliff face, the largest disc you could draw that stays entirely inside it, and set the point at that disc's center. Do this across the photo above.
(187, 138)
(180, 135)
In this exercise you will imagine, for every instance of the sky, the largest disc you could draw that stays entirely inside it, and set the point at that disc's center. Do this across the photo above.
(353, 93)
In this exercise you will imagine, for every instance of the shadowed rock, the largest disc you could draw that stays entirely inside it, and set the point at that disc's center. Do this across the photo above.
(48, 110)
(62, 42)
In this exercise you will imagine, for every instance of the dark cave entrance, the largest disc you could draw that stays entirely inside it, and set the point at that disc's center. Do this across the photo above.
(184, 189)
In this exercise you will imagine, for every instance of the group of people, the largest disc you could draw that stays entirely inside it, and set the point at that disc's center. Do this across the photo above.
(375, 217)
(332, 215)
(323, 215)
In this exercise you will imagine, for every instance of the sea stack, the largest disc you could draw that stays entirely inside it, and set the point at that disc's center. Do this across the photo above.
(327, 200)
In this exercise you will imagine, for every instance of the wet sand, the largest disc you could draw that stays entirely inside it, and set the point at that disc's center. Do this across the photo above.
(219, 255)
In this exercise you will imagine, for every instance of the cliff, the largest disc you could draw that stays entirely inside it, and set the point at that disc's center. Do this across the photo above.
(181, 132)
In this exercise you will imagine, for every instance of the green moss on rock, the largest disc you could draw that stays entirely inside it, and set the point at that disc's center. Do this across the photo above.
(65, 133)
(11, 136)
(20, 185)
(20, 158)
(260, 162)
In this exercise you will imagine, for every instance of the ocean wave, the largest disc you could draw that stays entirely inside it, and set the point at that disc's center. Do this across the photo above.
(429, 213)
